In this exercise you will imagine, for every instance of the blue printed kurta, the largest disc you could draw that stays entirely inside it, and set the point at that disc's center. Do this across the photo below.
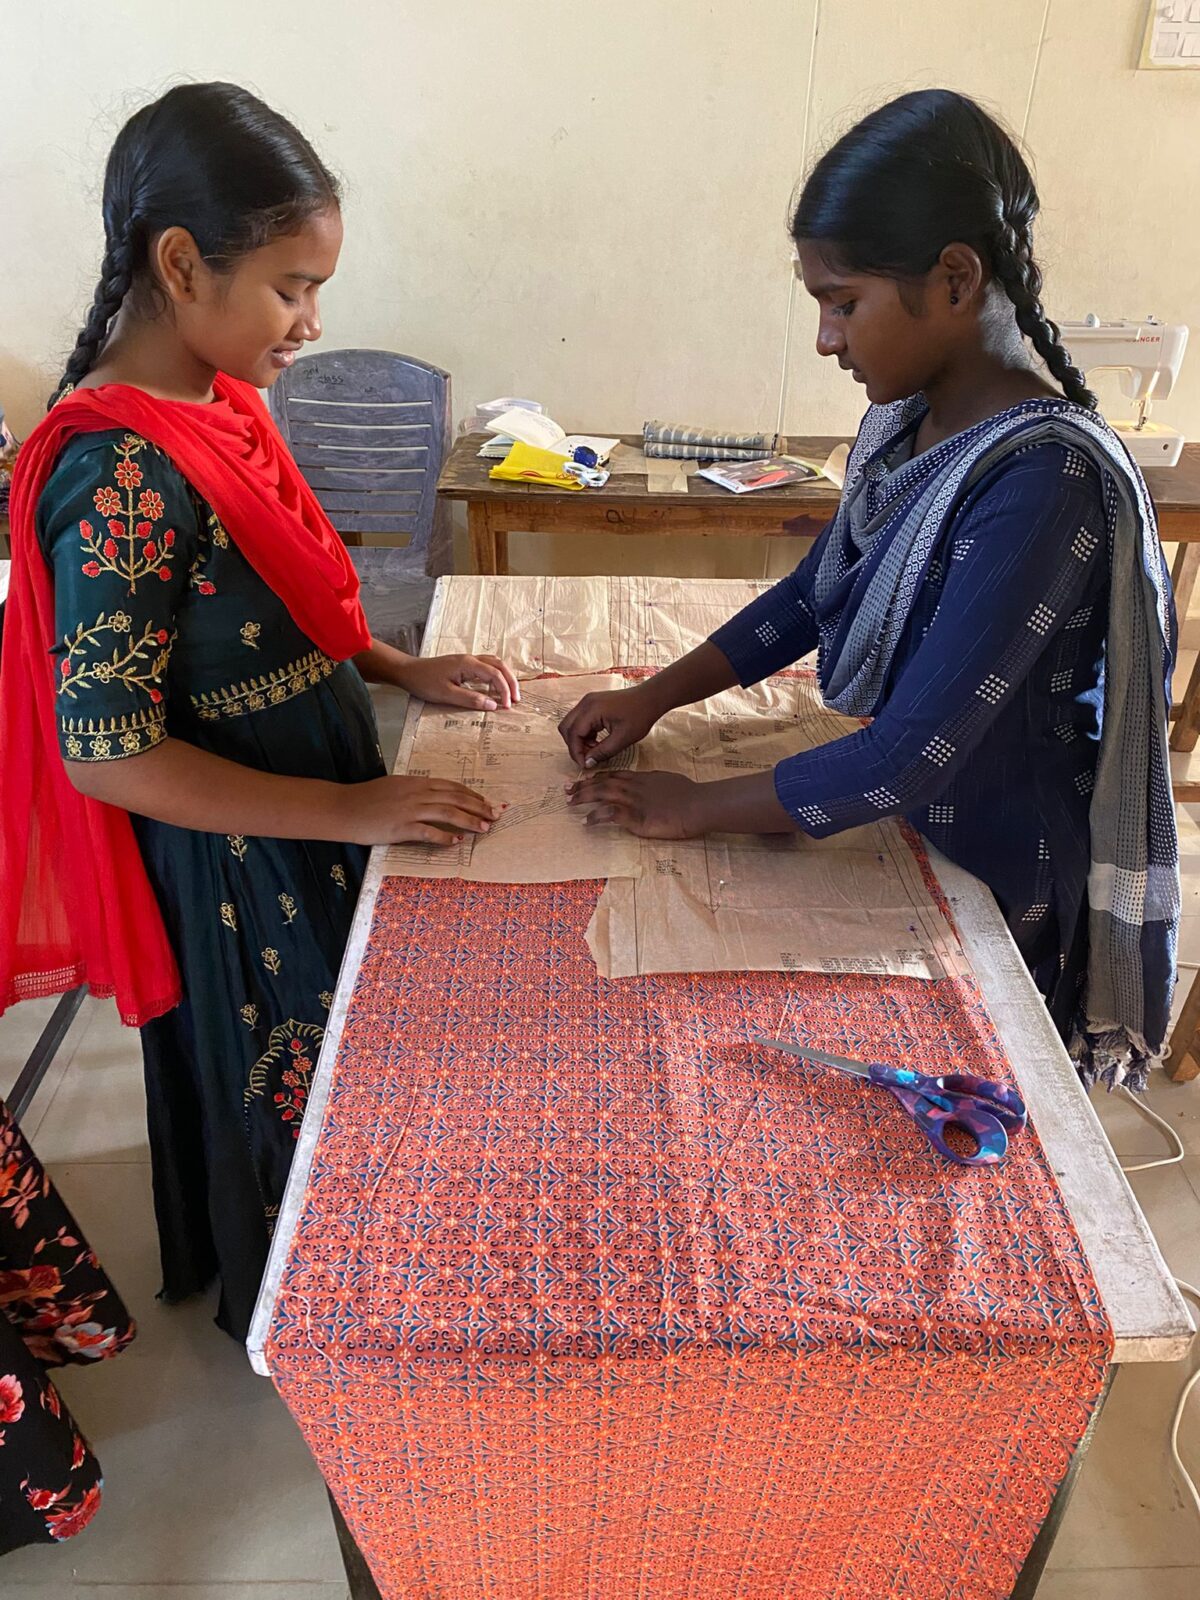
(994, 768)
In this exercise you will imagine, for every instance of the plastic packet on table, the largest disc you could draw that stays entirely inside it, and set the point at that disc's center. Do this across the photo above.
(488, 410)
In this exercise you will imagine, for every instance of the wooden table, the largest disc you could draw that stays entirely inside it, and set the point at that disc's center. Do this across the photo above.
(1150, 1321)
(625, 505)
(496, 509)
(1176, 492)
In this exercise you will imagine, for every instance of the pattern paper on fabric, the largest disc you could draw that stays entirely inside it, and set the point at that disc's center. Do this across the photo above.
(856, 902)
(571, 625)
(518, 760)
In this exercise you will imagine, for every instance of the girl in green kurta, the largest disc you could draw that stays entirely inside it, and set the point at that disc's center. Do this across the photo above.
(188, 694)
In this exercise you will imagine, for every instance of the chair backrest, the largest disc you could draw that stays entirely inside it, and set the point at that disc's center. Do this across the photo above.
(369, 430)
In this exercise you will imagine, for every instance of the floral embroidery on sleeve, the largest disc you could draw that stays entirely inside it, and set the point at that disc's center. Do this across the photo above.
(128, 546)
(116, 609)
(137, 663)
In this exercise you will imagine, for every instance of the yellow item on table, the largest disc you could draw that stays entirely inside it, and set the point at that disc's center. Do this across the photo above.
(525, 463)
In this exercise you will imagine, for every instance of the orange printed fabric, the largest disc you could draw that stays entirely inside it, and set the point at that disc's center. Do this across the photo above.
(591, 1297)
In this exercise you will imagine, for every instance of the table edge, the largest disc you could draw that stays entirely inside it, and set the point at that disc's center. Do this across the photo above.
(1134, 1281)
(302, 1159)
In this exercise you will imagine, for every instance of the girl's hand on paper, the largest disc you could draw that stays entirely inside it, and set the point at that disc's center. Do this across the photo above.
(402, 810)
(652, 805)
(604, 724)
(481, 683)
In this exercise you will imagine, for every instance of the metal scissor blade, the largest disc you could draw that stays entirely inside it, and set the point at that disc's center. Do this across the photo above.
(859, 1069)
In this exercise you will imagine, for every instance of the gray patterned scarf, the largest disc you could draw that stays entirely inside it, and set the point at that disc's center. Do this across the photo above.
(1133, 883)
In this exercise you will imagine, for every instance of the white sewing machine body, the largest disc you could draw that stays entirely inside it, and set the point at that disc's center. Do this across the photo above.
(1148, 356)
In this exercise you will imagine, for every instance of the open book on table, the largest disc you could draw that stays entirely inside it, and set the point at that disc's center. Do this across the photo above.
(543, 432)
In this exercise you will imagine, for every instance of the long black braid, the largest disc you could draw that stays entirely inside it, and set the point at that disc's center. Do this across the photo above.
(207, 157)
(1020, 277)
(116, 280)
(926, 170)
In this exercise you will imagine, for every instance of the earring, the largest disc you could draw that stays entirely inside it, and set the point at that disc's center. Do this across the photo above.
(953, 299)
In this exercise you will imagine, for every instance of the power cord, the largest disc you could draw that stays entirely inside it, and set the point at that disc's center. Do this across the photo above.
(1185, 1476)
(1188, 1481)
(1163, 1161)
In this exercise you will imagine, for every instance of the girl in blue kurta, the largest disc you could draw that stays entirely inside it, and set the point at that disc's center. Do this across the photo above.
(991, 593)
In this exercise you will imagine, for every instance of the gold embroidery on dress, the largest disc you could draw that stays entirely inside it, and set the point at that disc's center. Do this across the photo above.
(288, 906)
(271, 689)
(148, 718)
(228, 915)
(290, 1038)
(250, 1015)
(338, 874)
(127, 547)
(271, 960)
(325, 998)
(212, 533)
(140, 665)
(91, 739)
(250, 633)
(196, 576)
(237, 845)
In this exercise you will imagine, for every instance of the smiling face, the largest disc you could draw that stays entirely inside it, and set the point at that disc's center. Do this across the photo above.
(250, 320)
(893, 343)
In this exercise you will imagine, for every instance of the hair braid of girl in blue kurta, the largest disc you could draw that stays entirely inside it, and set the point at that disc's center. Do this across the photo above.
(924, 170)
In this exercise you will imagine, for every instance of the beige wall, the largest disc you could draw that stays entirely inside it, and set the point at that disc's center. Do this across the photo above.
(587, 203)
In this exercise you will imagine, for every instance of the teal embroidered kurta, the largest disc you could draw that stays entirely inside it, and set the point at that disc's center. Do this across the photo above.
(165, 630)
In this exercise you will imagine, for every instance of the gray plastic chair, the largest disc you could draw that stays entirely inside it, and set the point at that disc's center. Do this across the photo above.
(369, 430)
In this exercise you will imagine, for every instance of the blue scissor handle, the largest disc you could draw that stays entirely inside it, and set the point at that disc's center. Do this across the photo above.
(955, 1100)
(934, 1117)
(999, 1100)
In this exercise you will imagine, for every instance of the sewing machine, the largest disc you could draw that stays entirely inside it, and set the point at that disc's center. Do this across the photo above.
(1148, 356)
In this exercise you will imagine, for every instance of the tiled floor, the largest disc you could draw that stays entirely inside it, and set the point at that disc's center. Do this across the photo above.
(211, 1495)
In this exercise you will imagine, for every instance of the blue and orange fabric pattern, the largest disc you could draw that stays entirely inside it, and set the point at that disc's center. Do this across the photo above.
(589, 1296)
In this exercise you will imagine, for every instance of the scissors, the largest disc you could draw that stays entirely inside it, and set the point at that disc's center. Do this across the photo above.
(985, 1111)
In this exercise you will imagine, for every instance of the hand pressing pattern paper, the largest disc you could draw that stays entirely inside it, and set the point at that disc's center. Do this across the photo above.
(518, 760)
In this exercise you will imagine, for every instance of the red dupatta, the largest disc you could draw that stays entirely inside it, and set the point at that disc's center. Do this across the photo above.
(76, 906)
